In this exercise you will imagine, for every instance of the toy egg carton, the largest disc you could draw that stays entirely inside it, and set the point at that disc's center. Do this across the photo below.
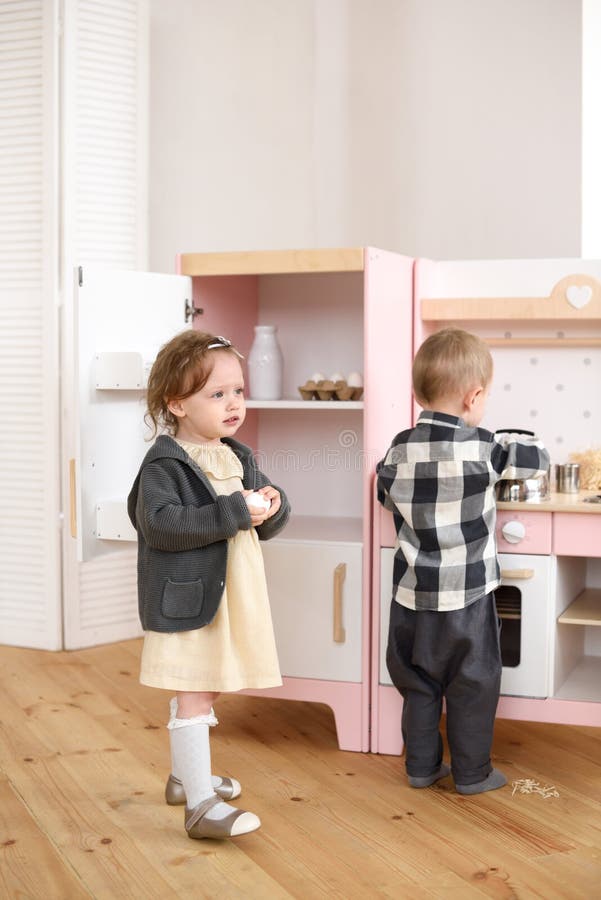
(326, 389)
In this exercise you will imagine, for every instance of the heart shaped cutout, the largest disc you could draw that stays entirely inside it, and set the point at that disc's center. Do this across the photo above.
(578, 295)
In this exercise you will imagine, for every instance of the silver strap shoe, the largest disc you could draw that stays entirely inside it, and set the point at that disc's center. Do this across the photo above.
(175, 794)
(237, 822)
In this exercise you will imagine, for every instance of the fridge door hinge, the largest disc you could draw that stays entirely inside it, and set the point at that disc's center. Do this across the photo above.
(191, 311)
(80, 275)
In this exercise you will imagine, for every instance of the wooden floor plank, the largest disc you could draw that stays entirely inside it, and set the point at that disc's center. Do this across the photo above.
(102, 857)
(575, 752)
(30, 866)
(84, 755)
(587, 862)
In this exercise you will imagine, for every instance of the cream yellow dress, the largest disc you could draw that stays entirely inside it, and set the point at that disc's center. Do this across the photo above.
(237, 650)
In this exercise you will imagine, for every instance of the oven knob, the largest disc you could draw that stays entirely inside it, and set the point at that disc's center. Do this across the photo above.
(513, 532)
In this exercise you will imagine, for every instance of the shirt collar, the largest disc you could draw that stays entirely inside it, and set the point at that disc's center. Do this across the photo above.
(429, 417)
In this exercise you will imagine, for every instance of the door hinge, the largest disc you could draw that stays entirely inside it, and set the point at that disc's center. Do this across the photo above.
(72, 499)
(191, 311)
(80, 275)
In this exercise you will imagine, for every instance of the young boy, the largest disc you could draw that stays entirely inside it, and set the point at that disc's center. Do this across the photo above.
(438, 479)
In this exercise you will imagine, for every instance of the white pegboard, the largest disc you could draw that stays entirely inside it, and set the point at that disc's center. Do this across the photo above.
(551, 391)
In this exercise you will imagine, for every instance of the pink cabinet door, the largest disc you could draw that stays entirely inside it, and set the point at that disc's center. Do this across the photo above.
(576, 535)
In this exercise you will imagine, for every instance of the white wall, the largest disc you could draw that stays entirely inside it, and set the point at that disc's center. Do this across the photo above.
(445, 128)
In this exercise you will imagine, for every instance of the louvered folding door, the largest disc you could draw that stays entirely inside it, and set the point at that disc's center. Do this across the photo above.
(73, 192)
(30, 585)
(104, 140)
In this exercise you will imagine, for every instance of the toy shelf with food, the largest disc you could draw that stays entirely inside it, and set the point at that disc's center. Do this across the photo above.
(319, 392)
(344, 326)
(293, 403)
(335, 388)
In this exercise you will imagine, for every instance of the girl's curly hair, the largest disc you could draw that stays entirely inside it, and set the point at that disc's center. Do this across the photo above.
(182, 368)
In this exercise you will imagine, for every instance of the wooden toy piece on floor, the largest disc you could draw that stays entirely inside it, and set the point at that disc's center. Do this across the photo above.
(529, 786)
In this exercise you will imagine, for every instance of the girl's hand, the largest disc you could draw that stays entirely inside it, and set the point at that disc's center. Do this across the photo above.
(273, 495)
(258, 514)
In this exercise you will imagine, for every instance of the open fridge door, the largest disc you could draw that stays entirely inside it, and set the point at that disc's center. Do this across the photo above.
(119, 321)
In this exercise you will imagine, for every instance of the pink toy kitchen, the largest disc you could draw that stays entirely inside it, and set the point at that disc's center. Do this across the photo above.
(349, 321)
(541, 319)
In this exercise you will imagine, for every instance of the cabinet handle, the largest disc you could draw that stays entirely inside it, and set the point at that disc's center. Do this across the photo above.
(517, 574)
(339, 576)
(72, 500)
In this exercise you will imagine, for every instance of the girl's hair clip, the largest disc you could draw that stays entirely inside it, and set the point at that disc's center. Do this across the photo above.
(221, 343)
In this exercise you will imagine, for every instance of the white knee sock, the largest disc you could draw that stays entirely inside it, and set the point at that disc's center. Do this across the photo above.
(190, 751)
(191, 758)
(215, 779)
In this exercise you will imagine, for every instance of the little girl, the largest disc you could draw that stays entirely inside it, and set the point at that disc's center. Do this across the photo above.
(200, 506)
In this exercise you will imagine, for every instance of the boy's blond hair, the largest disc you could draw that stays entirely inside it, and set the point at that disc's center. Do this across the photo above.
(448, 364)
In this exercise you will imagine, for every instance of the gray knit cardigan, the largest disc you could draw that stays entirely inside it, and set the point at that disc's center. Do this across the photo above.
(183, 527)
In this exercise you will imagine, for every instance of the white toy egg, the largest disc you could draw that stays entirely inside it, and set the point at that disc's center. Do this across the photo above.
(337, 376)
(317, 376)
(257, 500)
(355, 379)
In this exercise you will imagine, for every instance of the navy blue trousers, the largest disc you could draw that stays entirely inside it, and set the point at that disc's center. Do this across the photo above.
(455, 655)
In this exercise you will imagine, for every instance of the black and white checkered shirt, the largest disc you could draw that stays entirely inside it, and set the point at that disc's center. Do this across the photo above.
(438, 479)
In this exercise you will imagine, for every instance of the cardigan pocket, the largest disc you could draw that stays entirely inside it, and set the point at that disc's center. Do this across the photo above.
(182, 599)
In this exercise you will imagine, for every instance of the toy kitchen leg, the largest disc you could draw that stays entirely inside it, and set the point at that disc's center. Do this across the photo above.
(386, 702)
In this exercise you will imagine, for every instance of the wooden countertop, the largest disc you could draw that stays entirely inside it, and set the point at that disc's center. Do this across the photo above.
(564, 503)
